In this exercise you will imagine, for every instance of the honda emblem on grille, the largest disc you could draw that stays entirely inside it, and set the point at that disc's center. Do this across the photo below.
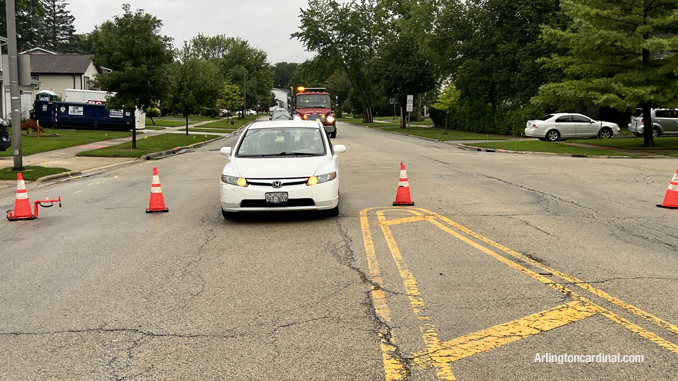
(277, 184)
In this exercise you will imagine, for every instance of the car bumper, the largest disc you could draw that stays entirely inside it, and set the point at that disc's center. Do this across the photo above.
(300, 197)
(330, 128)
(534, 132)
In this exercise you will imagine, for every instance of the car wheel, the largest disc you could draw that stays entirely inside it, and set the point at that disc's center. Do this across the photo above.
(605, 133)
(655, 132)
(333, 212)
(229, 215)
(333, 134)
(552, 135)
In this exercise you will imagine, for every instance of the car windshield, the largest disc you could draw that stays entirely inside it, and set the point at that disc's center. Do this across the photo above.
(547, 117)
(271, 142)
(313, 100)
(281, 114)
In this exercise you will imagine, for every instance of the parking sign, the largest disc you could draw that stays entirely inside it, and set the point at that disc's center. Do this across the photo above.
(410, 103)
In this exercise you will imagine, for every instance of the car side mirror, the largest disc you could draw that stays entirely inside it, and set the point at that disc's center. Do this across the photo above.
(591, 121)
(340, 148)
(226, 151)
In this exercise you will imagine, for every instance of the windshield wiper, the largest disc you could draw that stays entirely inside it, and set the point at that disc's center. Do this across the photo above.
(296, 154)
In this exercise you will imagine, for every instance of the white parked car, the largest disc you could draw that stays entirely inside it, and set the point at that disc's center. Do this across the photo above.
(568, 125)
(281, 165)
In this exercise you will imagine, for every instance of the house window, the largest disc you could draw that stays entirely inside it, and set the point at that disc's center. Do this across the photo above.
(87, 86)
(36, 78)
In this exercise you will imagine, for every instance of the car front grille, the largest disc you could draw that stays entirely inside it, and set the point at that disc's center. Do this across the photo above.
(290, 203)
(269, 183)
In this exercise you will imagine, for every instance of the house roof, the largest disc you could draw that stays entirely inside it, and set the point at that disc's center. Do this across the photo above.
(60, 63)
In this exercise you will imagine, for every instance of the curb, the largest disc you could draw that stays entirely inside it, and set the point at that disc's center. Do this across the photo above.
(180, 150)
(57, 176)
(499, 150)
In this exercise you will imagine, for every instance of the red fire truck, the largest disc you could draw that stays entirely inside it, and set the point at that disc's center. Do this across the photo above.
(315, 104)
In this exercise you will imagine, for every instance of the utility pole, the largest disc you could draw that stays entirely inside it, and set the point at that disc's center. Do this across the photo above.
(244, 89)
(14, 85)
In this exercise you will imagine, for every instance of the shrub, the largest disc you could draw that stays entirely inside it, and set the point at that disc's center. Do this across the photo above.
(153, 112)
(29, 125)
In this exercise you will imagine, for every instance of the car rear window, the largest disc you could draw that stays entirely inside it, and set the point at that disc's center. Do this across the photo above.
(546, 117)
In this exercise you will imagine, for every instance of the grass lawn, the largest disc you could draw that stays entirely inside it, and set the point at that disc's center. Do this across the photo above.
(663, 145)
(226, 123)
(148, 145)
(67, 138)
(221, 130)
(439, 134)
(539, 146)
(386, 121)
(32, 172)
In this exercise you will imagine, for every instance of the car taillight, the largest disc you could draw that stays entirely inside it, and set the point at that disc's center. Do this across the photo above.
(642, 121)
(535, 126)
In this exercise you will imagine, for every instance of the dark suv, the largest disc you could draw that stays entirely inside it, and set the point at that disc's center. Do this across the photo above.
(5, 139)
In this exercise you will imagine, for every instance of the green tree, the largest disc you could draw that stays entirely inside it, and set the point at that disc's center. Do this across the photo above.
(238, 61)
(447, 101)
(196, 85)
(283, 73)
(400, 71)
(132, 46)
(29, 15)
(82, 44)
(57, 26)
(343, 34)
(619, 53)
(231, 97)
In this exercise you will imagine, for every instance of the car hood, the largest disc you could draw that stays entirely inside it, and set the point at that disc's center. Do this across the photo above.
(279, 167)
(313, 110)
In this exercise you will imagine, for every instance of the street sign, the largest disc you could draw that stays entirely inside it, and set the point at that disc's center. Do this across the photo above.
(392, 101)
(410, 103)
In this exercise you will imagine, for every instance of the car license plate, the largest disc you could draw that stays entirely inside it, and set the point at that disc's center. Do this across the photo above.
(276, 197)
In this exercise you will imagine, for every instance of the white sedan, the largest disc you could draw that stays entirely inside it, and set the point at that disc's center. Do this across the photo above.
(567, 125)
(281, 165)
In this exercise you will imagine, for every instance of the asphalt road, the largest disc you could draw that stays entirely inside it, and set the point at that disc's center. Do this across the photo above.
(503, 257)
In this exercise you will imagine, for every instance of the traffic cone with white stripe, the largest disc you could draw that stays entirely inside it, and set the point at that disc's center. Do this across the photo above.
(22, 205)
(671, 197)
(157, 203)
(403, 195)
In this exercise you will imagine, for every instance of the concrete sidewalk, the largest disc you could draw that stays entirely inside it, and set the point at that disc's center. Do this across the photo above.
(66, 157)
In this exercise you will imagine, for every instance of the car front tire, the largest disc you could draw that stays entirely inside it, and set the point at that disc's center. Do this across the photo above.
(605, 133)
(655, 132)
(333, 212)
(552, 135)
(229, 215)
(333, 134)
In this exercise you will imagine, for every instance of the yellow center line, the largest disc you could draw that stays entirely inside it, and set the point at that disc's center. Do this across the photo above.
(444, 371)
(393, 367)
(440, 355)
(487, 339)
(586, 286)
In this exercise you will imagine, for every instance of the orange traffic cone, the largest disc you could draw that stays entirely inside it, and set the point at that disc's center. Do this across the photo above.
(22, 205)
(157, 203)
(403, 195)
(671, 198)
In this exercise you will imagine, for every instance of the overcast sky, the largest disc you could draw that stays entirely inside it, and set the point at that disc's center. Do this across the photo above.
(265, 24)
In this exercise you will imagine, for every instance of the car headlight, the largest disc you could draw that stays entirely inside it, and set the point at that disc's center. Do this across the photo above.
(313, 180)
(233, 180)
(330, 119)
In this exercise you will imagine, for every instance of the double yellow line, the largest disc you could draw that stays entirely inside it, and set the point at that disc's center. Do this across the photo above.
(440, 355)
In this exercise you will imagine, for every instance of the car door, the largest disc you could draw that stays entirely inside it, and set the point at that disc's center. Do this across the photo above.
(566, 126)
(586, 127)
(670, 124)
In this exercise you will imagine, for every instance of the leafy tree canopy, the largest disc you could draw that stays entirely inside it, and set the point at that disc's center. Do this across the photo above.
(132, 46)
(617, 53)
